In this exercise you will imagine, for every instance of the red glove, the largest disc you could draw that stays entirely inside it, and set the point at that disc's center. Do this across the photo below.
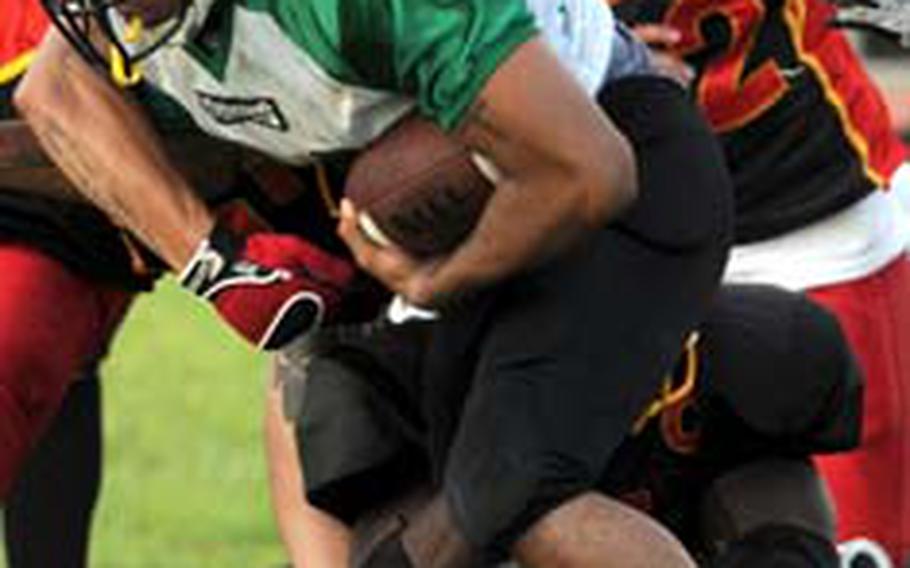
(270, 288)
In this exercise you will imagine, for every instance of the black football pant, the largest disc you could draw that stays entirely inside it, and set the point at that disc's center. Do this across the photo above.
(47, 518)
(528, 389)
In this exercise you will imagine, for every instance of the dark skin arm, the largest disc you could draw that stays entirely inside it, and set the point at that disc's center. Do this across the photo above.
(566, 172)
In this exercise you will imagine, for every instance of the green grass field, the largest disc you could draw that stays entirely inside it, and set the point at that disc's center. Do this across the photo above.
(185, 482)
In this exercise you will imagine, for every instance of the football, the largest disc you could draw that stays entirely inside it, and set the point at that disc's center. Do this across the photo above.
(419, 188)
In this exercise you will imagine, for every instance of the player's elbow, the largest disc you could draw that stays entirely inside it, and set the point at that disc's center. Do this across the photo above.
(611, 181)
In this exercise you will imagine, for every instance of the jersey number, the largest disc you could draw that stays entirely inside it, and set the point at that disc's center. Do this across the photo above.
(730, 96)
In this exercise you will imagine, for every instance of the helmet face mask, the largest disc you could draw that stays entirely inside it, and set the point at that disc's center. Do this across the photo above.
(82, 22)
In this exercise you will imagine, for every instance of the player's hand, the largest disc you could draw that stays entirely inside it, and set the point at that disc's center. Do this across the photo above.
(889, 17)
(270, 288)
(389, 264)
(663, 41)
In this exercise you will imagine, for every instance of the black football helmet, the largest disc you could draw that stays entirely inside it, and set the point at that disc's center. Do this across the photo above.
(81, 20)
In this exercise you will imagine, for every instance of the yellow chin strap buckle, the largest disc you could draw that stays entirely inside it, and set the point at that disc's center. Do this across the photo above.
(131, 34)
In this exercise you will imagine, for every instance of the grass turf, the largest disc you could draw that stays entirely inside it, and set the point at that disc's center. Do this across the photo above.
(184, 465)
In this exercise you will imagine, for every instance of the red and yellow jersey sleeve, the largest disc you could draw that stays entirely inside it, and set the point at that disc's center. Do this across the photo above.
(21, 30)
(860, 107)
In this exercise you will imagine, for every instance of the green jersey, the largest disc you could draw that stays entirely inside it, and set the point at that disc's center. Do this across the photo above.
(296, 78)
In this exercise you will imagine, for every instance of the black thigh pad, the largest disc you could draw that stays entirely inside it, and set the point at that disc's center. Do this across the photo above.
(780, 363)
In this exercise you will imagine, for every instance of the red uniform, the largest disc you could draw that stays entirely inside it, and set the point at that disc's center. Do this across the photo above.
(872, 486)
(65, 285)
(67, 278)
(805, 130)
(67, 258)
(807, 136)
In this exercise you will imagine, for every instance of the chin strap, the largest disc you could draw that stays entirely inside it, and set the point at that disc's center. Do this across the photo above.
(125, 75)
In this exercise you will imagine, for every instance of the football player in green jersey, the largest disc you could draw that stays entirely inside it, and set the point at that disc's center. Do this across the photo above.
(585, 277)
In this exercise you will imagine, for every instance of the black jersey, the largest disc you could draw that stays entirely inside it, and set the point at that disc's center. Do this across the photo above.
(804, 129)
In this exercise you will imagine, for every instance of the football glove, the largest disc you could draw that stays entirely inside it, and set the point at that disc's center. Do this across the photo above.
(890, 17)
(270, 288)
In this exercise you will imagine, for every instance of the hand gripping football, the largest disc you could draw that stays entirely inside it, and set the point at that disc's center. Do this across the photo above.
(419, 188)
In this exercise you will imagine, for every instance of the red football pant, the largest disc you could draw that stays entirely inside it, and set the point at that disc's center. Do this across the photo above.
(871, 486)
(52, 324)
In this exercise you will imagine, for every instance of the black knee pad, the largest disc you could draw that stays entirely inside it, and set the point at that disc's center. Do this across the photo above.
(780, 363)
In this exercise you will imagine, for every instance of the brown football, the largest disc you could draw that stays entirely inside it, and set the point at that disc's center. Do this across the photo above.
(419, 188)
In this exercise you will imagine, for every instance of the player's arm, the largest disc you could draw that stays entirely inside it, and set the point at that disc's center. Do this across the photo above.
(26, 168)
(104, 143)
(270, 288)
(566, 171)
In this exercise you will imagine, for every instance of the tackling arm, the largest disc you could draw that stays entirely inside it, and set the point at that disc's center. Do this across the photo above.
(24, 167)
(270, 288)
(108, 149)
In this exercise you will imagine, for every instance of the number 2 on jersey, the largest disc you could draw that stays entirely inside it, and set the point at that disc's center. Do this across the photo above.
(730, 95)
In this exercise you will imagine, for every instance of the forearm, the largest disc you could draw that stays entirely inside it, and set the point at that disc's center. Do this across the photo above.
(107, 148)
(565, 172)
(524, 224)
(209, 164)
